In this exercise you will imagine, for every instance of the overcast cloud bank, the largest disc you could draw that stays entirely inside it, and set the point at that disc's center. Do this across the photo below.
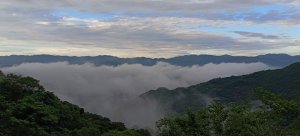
(149, 28)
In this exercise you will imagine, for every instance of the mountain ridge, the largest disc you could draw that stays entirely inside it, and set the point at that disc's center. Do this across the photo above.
(277, 60)
(284, 81)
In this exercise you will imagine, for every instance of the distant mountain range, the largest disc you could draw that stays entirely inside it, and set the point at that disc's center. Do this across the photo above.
(285, 82)
(277, 60)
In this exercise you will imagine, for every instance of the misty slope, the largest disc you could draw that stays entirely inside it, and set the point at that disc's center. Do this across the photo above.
(27, 109)
(277, 60)
(284, 81)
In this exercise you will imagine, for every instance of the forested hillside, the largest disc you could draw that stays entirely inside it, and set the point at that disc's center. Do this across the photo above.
(26, 109)
(272, 116)
(285, 82)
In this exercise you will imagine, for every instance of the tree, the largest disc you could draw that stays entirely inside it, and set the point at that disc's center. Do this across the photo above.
(27, 109)
(273, 117)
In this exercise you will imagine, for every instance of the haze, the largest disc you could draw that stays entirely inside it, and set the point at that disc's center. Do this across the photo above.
(114, 91)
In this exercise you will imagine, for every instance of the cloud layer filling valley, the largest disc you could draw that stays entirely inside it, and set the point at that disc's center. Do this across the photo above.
(113, 91)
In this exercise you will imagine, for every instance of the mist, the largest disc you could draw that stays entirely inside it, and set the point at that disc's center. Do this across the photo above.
(114, 91)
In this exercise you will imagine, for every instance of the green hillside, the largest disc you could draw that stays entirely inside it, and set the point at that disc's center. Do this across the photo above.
(285, 82)
(26, 109)
(272, 116)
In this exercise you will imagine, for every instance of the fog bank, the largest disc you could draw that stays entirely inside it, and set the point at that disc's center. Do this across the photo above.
(113, 91)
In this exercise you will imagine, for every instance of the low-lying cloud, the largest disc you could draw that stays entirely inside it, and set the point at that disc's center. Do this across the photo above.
(113, 91)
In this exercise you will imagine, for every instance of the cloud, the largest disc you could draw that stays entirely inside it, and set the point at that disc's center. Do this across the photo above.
(113, 91)
(129, 6)
(259, 35)
(144, 37)
(151, 28)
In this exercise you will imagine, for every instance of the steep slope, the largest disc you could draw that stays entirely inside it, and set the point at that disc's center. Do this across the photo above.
(277, 60)
(27, 109)
(284, 81)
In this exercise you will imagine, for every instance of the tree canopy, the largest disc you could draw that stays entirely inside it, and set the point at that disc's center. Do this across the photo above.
(270, 116)
(26, 109)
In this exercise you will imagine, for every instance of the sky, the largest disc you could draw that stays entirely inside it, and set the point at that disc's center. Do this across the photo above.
(149, 28)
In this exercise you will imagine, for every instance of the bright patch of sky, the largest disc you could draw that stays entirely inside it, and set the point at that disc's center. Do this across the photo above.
(269, 8)
(7, 48)
(84, 15)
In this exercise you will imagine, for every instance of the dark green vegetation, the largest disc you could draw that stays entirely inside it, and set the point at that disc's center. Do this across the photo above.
(285, 82)
(26, 109)
(273, 116)
(278, 60)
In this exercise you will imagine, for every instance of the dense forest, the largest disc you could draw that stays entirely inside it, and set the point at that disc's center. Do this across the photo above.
(270, 116)
(26, 109)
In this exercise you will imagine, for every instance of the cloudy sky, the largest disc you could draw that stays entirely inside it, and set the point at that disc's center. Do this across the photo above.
(150, 28)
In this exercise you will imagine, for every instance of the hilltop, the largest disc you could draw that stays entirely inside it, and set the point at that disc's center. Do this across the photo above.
(285, 82)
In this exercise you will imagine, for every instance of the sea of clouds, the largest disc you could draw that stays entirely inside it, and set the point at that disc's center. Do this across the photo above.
(113, 91)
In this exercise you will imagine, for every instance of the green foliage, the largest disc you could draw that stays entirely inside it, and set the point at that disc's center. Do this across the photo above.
(274, 117)
(128, 132)
(26, 109)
